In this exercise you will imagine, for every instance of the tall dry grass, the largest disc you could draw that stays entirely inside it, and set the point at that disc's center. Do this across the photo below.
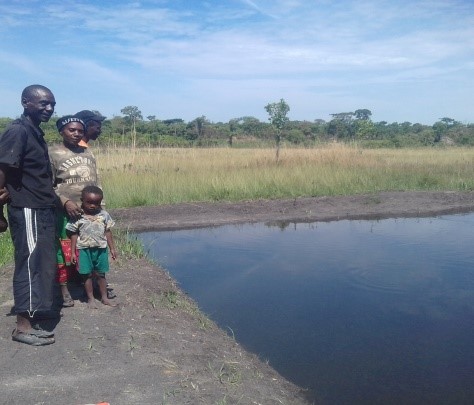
(165, 176)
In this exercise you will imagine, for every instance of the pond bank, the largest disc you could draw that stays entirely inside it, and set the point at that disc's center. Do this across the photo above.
(156, 347)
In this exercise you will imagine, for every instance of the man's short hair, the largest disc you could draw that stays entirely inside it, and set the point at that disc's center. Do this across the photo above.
(33, 90)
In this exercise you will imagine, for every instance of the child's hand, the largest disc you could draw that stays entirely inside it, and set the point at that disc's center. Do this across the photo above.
(113, 253)
(4, 196)
(73, 258)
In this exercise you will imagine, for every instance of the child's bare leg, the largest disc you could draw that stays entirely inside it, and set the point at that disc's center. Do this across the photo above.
(90, 292)
(103, 291)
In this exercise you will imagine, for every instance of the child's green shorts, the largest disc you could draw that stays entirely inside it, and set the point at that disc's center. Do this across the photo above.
(93, 259)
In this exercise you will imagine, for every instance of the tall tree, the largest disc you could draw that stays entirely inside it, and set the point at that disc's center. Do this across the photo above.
(278, 118)
(341, 125)
(450, 122)
(200, 123)
(233, 126)
(363, 114)
(132, 114)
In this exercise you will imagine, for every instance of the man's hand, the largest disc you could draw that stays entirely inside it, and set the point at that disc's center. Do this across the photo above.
(73, 211)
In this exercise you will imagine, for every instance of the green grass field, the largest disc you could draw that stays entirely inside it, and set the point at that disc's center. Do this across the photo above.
(172, 175)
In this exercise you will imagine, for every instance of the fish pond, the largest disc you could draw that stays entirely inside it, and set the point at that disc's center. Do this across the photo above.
(354, 311)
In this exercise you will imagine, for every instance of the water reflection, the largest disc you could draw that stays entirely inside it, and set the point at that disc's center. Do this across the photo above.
(357, 311)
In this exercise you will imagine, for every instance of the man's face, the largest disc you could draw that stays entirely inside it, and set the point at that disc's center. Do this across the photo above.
(39, 106)
(72, 133)
(93, 130)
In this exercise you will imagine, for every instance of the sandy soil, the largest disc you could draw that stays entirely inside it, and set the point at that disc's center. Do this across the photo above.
(155, 347)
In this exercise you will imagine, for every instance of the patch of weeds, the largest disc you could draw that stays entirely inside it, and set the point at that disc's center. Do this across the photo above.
(428, 181)
(136, 201)
(463, 186)
(222, 401)
(153, 301)
(204, 322)
(91, 348)
(168, 394)
(128, 245)
(132, 345)
(6, 249)
(228, 373)
(373, 200)
(171, 299)
(258, 374)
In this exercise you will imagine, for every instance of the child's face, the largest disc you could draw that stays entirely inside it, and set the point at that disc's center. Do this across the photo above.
(91, 203)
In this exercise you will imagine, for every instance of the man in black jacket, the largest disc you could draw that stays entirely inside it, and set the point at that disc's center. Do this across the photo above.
(26, 173)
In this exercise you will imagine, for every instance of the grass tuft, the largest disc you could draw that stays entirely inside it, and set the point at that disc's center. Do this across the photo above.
(171, 299)
(6, 249)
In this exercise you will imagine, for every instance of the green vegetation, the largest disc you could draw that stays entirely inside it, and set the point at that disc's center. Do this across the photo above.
(132, 130)
(152, 176)
(278, 117)
(6, 249)
(128, 245)
(173, 299)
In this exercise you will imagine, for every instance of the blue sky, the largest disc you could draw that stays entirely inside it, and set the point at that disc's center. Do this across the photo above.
(403, 60)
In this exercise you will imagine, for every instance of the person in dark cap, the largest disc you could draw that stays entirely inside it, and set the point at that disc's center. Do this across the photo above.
(93, 121)
(74, 167)
(26, 173)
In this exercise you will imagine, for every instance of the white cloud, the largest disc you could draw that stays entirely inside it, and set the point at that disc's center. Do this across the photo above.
(241, 50)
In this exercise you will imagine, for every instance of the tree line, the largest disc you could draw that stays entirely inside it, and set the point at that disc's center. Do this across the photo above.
(131, 129)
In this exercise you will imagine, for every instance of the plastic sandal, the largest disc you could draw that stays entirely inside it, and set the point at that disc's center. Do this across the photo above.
(31, 339)
(41, 333)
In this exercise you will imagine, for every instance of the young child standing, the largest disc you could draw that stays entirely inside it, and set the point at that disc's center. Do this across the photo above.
(91, 235)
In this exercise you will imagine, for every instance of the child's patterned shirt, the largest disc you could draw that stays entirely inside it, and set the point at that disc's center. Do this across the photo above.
(91, 229)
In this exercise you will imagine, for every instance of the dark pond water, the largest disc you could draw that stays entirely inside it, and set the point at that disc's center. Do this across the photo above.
(356, 311)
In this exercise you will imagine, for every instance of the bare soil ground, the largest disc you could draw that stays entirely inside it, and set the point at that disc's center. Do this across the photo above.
(155, 347)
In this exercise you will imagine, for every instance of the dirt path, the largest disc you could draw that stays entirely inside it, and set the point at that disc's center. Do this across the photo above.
(155, 347)
(372, 206)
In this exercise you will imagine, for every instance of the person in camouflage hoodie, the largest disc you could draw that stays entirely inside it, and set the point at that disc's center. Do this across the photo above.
(74, 167)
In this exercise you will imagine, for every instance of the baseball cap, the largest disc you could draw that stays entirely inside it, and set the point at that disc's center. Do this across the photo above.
(87, 115)
(61, 122)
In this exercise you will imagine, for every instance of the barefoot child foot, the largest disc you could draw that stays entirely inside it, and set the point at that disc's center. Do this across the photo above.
(91, 304)
(106, 301)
